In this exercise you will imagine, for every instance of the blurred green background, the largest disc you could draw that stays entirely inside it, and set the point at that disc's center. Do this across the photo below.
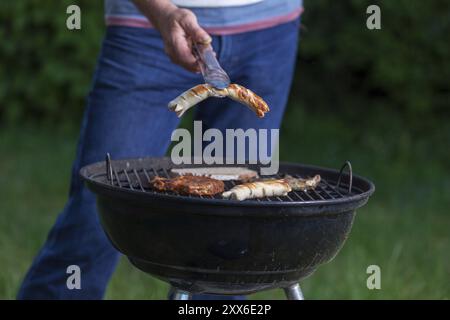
(377, 98)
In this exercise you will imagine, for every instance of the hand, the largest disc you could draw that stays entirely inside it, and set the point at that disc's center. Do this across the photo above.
(179, 28)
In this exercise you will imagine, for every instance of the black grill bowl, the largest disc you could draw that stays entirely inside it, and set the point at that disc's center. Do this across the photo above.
(224, 246)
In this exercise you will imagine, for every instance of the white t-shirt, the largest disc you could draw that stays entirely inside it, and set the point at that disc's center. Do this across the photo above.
(213, 3)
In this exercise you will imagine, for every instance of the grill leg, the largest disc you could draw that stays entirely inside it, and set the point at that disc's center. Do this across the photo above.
(177, 294)
(293, 292)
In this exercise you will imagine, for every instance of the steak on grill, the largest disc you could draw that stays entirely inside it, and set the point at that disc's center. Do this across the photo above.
(189, 184)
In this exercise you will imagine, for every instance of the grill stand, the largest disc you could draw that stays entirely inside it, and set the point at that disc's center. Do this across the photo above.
(293, 292)
(177, 294)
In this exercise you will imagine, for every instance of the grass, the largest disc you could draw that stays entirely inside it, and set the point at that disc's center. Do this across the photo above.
(404, 228)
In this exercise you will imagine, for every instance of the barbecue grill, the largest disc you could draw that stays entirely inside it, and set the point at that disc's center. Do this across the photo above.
(220, 246)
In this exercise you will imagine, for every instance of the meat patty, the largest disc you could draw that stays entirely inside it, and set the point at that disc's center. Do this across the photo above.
(188, 184)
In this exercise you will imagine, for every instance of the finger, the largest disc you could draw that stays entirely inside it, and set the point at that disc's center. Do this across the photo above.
(193, 30)
(181, 53)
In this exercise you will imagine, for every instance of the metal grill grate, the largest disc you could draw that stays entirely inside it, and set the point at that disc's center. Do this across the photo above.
(138, 179)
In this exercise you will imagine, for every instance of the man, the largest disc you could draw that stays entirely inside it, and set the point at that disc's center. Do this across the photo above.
(145, 62)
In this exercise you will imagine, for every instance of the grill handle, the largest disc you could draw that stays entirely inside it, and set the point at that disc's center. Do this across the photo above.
(350, 172)
(109, 170)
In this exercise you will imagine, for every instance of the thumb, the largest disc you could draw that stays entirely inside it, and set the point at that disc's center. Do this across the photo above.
(194, 31)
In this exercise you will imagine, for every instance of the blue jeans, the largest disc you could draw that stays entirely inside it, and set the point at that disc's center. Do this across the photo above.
(127, 116)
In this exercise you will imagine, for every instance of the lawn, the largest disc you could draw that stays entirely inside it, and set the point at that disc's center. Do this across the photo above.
(404, 228)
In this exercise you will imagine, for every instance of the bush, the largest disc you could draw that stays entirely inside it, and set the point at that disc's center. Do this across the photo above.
(46, 69)
(405, 66)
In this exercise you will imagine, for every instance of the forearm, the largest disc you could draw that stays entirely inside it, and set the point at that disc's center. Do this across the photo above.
(155, 10)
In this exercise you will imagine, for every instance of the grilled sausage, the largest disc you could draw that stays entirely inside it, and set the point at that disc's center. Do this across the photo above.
(258, 189)
(248, 98)
(195, 95)
(191, 97)
(271, 188)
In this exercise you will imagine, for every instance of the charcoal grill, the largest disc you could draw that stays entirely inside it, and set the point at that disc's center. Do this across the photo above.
(206, 244)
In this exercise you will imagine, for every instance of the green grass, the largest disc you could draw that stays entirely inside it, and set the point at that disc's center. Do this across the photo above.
(404, 228)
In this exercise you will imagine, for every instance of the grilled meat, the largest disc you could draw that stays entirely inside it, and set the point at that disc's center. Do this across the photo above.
(189, 184)
(271, 188)
(200, 185)
(258, 189)
(299, 184)
(193, 96)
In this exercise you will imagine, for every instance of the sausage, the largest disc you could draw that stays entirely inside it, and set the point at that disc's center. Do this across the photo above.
(195, 95)
(258, 189)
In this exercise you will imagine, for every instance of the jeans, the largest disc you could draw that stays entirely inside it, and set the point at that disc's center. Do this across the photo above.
(127, 116)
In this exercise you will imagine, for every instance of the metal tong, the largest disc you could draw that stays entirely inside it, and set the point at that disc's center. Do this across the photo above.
(212, 72)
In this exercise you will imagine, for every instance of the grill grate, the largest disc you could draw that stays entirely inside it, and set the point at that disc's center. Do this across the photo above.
(137, 176)
(138, 179)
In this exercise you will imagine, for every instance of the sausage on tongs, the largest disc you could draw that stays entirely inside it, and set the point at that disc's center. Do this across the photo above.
(193, 96)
